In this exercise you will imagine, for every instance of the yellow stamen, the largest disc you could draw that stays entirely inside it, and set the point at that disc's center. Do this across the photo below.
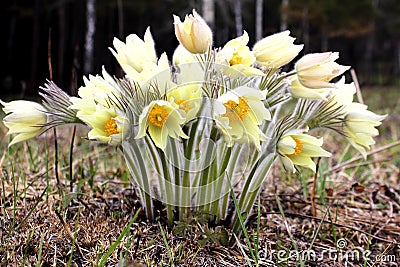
(236, 59)
(183, 104)
(158, 115)
(111, 127)
(298, 148)
(235, 111)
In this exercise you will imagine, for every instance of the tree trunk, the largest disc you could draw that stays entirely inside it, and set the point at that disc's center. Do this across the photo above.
(35, 48)
(259, 19)
(61, 41)
(238, 17)
(284, 15)
(369, 46)
(89, 37)
(208, 12)
(305, 30)
(120, 19)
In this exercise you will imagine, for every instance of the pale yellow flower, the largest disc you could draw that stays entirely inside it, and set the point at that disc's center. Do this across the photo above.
(358, 122)
(239, 113)
(97, 90)
(187, 97)
(298, 90)
(134, 52)
(107, 125)
(182, 56)
(317, 70)
(193, 33)
(343, 95)
(161, 119)
(236, 59)
(359, 127)
(26, 119)
(153, 74)
(298, 149)
(276, 50)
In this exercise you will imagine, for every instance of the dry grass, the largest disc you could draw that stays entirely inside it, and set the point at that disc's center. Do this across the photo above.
(44, 223)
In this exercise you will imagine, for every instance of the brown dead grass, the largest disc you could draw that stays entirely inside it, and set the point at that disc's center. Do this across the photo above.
(360, 203)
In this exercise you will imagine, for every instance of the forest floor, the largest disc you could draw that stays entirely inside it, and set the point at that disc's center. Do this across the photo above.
(89, 220)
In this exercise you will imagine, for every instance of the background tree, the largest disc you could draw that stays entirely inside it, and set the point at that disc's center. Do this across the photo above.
(366, 32)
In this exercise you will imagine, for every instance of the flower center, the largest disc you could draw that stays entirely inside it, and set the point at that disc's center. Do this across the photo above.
(298, 148)
(158, 115)
(235, 111)
(111, 127)
(183, 104)
(236, 59)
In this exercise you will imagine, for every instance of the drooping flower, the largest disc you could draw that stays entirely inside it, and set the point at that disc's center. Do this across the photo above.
(359, 127)
(187, 97)
(276, 50)
(26, 119)
(318, 69)
(237, 59)
(108, 125)
(161, 119)
(134, 52)
(298, 149)
(359, 123)
(239, 113)
(298, 90)
(193, 33)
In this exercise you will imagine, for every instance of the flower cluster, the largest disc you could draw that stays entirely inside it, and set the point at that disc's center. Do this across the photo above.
(229, 95)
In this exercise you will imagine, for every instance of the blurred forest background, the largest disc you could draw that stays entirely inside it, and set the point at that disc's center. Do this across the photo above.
(365, 32)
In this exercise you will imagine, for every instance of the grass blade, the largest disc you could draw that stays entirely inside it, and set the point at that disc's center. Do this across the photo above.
(111, 249)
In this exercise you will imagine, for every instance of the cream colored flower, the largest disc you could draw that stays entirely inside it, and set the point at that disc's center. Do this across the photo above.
(359, 127)
(237, 59)
(187, 97)
(107, 125)
(194, 33)
(297, 149)
(276, 50)
(161, 119)
(298, 90)
(358, 122)
(343, 95)
(182, 56)
(239, 113)
(153, 74)
(317, 70)
(24, 118)
(97, 90)
(134, 52)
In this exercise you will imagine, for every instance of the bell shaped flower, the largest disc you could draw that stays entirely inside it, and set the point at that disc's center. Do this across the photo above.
(359, 127)
(359, 123)
(188, 99)
(298, 149)
(134, 52)
(297, 90)
(26, 119)
(318, 69)
(161, 119)
(239, 113)
(108, 125)
(193, 33)
(276, 50)
(236, 59)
